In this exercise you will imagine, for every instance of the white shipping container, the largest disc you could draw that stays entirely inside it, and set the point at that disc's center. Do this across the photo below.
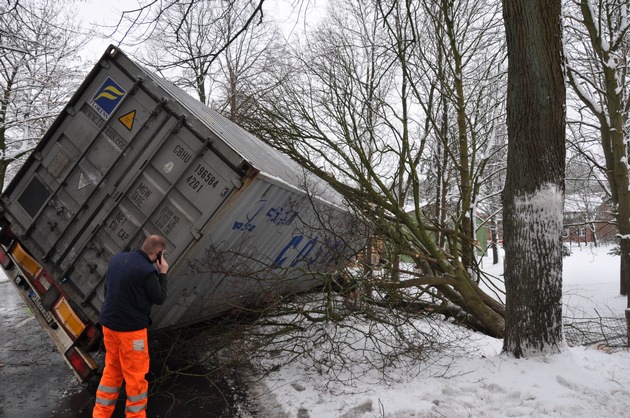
(133, 155)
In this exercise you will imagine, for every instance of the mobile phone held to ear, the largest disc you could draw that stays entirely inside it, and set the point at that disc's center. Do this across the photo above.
(159, 257)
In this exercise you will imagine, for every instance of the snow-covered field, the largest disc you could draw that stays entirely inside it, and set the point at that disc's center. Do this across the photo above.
(478, 381)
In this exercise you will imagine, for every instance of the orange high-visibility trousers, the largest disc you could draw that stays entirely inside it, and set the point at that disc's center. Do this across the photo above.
(126, 358)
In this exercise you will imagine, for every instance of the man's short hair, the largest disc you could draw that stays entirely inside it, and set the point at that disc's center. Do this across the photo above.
(153, 243)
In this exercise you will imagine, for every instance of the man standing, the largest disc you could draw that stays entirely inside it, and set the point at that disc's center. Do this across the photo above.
(132, 286)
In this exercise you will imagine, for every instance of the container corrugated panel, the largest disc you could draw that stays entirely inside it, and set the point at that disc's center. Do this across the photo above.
(269, 160)
(268, 235)
(133, 155)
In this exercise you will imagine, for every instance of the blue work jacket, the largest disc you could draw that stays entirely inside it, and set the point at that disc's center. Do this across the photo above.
(132, 286)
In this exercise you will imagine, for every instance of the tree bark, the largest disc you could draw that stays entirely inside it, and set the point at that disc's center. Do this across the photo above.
(495, 240)
(534, 191)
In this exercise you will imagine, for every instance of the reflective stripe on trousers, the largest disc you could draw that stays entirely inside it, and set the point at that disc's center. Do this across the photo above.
(126, 358)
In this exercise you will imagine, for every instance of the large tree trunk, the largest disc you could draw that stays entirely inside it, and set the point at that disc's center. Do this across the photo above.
(534, 191)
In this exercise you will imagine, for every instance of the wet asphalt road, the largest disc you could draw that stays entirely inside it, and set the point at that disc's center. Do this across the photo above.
(35, 381)
(33, 376)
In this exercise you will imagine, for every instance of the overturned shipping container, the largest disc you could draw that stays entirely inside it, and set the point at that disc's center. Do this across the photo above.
(133, 155)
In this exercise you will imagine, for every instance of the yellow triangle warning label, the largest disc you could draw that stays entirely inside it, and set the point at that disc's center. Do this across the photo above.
(127, 119)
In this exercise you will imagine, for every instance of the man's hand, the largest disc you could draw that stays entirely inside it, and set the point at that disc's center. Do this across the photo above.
(162, 265)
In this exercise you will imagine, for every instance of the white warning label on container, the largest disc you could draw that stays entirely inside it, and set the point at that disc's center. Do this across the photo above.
(84, 181)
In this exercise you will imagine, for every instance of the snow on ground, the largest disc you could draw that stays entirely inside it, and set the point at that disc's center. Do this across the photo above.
(583, 381)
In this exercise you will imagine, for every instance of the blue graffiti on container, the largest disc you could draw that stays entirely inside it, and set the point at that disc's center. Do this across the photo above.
(297, 252)
(107, 97)
(278, 216)
(281, 216)
(249, 225)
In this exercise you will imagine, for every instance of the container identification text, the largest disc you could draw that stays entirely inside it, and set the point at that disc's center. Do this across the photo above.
(202, 177)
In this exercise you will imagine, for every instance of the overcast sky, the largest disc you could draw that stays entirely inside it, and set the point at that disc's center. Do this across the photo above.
(102, 17)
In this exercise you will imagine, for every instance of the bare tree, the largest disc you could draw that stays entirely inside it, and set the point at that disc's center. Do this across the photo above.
(39, 70)
(185, 44)
(244, 66)
(585, 198)
(146, 21)
(597, 68)
(466, 59)
(182, 39)
(366, 103)
(534, 189)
